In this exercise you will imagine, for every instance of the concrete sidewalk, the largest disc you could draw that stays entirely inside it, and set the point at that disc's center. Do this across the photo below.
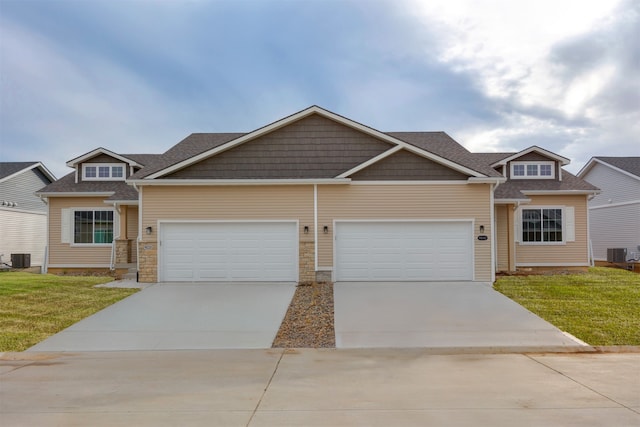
(375, 387)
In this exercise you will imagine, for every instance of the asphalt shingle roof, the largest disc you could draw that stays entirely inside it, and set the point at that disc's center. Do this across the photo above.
(627, 164)
(513, 188)
(9, 168)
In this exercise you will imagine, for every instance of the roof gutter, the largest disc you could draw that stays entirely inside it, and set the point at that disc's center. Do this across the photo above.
(178, 182)
(487, 180)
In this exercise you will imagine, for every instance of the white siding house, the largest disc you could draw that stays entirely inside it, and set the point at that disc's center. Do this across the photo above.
(23, 216)
(614, 214)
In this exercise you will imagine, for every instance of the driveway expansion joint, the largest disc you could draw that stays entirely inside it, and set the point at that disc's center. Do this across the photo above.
(255, 410)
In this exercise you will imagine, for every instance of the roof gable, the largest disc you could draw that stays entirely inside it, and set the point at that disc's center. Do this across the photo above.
(10, 169)
(312, 147)
(629, 166)
(530, 154)
(403, 165)
(101, 152)
(374, 135)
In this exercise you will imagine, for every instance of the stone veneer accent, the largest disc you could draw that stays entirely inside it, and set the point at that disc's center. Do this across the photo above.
(147, 262)
(306, 272)
(123, 251)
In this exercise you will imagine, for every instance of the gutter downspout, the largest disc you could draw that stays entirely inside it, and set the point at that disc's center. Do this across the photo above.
(315, 227)
(45, 261)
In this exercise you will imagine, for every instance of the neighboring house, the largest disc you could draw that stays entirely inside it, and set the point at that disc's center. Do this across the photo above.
(23, 215)
(614, 215)
(316, 196)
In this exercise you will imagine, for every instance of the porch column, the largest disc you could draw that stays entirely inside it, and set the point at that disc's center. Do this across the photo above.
(123, 245)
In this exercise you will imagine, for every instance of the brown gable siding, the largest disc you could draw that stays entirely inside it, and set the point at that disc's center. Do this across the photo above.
(102, 158)
(405, 165)
(535, 157)
(313, 147)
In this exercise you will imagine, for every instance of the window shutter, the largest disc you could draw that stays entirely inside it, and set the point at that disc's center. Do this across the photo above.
(570, 223)
(517, 225)
(65, 225)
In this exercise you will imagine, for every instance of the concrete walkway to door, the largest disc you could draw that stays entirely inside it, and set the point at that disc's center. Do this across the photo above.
(443, 314)
(182, 316)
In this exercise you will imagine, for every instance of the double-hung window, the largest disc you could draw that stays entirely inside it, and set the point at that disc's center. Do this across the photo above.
(93, 227)
(542, 225)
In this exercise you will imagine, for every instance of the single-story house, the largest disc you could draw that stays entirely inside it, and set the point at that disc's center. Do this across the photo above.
(317, 196)
(23, 215)
(614, 214)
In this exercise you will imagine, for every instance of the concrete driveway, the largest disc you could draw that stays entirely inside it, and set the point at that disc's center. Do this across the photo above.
(176, 316)
(446, 314)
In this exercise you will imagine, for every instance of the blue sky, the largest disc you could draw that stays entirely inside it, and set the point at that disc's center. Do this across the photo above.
(139, 76)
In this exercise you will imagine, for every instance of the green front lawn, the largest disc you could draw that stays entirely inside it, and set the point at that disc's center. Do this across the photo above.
(601, 307)
(35, 306)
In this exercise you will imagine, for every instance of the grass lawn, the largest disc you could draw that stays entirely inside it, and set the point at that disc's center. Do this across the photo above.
(601, 307)
(35, 306)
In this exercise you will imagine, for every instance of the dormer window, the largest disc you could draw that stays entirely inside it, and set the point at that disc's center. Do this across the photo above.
(532, 170)
(103, 172)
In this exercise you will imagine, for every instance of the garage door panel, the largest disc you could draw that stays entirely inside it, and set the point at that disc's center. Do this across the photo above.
(420, 250)
(224, 251)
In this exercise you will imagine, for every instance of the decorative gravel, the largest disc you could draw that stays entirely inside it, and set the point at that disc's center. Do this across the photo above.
(309, 319)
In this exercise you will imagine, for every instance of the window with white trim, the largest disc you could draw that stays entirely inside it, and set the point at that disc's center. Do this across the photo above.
(103, 171)
(93, 227)
(532, 170)
(541, 225)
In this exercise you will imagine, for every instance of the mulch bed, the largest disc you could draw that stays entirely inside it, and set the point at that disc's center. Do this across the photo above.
(309, 319)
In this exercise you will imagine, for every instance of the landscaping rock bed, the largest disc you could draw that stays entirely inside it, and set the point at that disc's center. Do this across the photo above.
(309, 319)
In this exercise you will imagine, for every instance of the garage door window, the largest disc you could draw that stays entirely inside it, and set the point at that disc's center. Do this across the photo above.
(93, 227)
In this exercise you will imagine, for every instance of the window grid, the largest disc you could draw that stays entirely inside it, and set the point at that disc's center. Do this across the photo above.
(103, 171)
(542, 225)
(93, 227)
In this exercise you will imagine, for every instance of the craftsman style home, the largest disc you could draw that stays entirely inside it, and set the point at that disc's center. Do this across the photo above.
(317, 196)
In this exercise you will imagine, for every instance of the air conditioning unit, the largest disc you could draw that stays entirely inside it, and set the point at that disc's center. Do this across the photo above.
(617, 255)
(20, 260)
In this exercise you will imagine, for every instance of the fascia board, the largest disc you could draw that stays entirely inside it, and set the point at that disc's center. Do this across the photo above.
(77, 194)
(370, 162)
(487, 180)
(558, 192)
(511, 201)
(586, 168)
(191, 182)
(73, 162)
(122, 202)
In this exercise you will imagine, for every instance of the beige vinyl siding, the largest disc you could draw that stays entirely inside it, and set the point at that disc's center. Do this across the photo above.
(423, 202)
(65, 253)
(568, 254)
(293, 202)
(502, 237)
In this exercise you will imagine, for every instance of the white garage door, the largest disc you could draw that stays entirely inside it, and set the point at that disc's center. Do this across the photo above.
(382, 251)
(229, 251)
